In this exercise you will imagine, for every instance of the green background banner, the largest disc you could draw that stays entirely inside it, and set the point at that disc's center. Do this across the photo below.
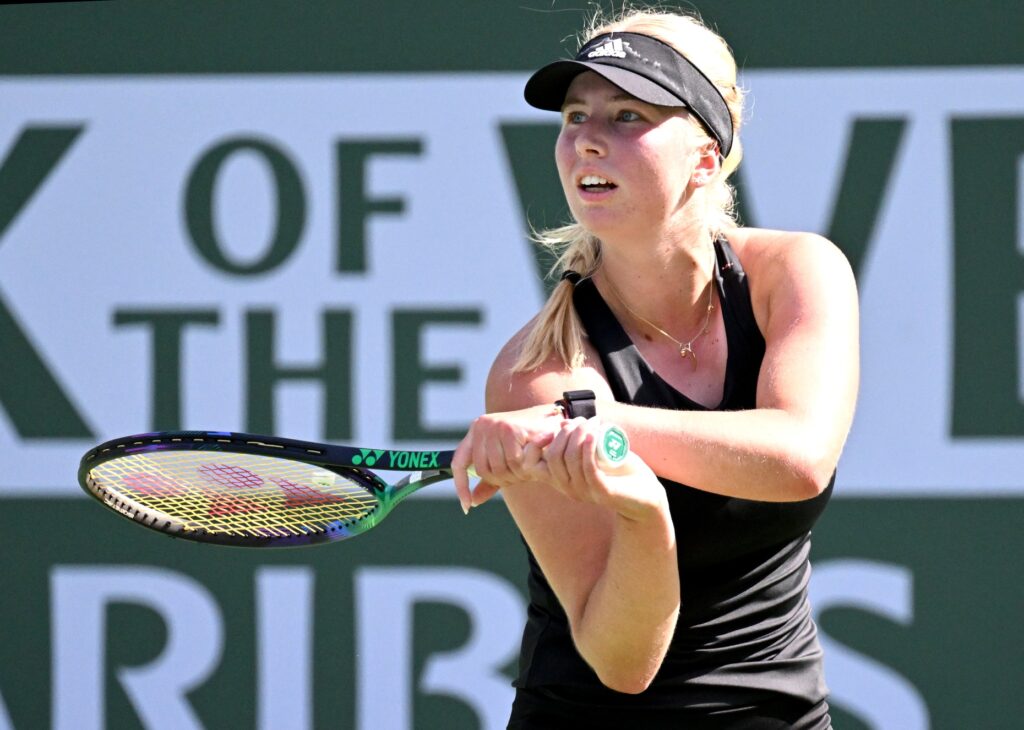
(234, 36)
(959, 646)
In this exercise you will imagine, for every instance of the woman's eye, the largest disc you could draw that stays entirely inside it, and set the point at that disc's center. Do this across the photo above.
(629, 116)
(575, 117)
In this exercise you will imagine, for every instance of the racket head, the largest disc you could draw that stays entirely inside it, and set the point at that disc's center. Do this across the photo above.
(239, 489)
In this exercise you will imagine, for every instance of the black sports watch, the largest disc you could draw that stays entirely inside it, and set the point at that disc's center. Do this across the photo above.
(578, 403)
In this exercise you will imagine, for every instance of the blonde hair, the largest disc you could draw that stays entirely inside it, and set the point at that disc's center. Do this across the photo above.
(557, 329)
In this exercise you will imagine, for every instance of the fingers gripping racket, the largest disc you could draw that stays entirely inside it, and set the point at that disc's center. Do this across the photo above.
(261, 491)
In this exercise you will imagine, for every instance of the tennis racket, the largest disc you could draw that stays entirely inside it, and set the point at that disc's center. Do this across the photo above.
(262, 491)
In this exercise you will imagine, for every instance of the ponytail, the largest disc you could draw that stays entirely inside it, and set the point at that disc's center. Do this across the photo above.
(557, 329)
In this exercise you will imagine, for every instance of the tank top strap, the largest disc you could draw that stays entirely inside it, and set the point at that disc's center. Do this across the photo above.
(734, 290)
(746, 343)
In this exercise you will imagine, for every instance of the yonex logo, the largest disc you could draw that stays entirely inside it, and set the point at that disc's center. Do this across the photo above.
(367, 457)
(611, 48)
(412, 459)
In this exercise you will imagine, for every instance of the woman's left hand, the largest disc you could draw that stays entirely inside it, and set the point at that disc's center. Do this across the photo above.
(571, 464)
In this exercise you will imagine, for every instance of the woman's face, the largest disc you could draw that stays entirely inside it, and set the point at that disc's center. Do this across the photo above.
(625, 165)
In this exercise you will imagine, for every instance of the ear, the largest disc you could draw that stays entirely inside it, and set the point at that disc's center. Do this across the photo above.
(709, 162)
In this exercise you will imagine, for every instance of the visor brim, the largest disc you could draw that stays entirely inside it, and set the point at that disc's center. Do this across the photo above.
(547, 87)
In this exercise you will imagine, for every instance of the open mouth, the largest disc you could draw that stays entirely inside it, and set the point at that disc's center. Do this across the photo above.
(596, 184)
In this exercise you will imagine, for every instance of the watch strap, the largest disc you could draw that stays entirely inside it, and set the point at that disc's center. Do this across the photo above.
(578, 404)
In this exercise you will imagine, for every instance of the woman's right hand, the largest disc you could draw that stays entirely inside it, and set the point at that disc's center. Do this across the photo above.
(498, 446)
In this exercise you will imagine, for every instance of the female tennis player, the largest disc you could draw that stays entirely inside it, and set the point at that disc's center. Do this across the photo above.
(673, 592)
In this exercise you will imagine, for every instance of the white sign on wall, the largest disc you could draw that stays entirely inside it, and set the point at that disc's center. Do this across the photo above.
(104, 271)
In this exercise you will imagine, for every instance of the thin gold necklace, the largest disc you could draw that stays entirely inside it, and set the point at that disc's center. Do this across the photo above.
(685, 348)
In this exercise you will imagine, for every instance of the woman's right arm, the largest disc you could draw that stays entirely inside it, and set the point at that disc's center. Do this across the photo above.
(605, 542)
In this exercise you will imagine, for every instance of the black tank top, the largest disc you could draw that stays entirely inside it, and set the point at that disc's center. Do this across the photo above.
(745, 638)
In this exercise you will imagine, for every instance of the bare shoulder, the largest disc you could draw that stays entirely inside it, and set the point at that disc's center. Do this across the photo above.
(791, 263)
(510, 389)
(763, 250)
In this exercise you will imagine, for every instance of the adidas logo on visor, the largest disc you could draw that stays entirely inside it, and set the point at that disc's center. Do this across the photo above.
(611, 47)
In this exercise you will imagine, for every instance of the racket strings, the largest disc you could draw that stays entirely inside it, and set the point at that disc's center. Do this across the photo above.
(239, 494)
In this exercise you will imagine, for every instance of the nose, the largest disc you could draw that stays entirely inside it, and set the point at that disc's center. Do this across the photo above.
(590, 139)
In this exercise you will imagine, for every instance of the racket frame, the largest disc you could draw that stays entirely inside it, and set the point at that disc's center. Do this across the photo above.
(349, 462)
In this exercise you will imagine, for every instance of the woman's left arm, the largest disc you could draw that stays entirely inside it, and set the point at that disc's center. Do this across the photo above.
(787, 448)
